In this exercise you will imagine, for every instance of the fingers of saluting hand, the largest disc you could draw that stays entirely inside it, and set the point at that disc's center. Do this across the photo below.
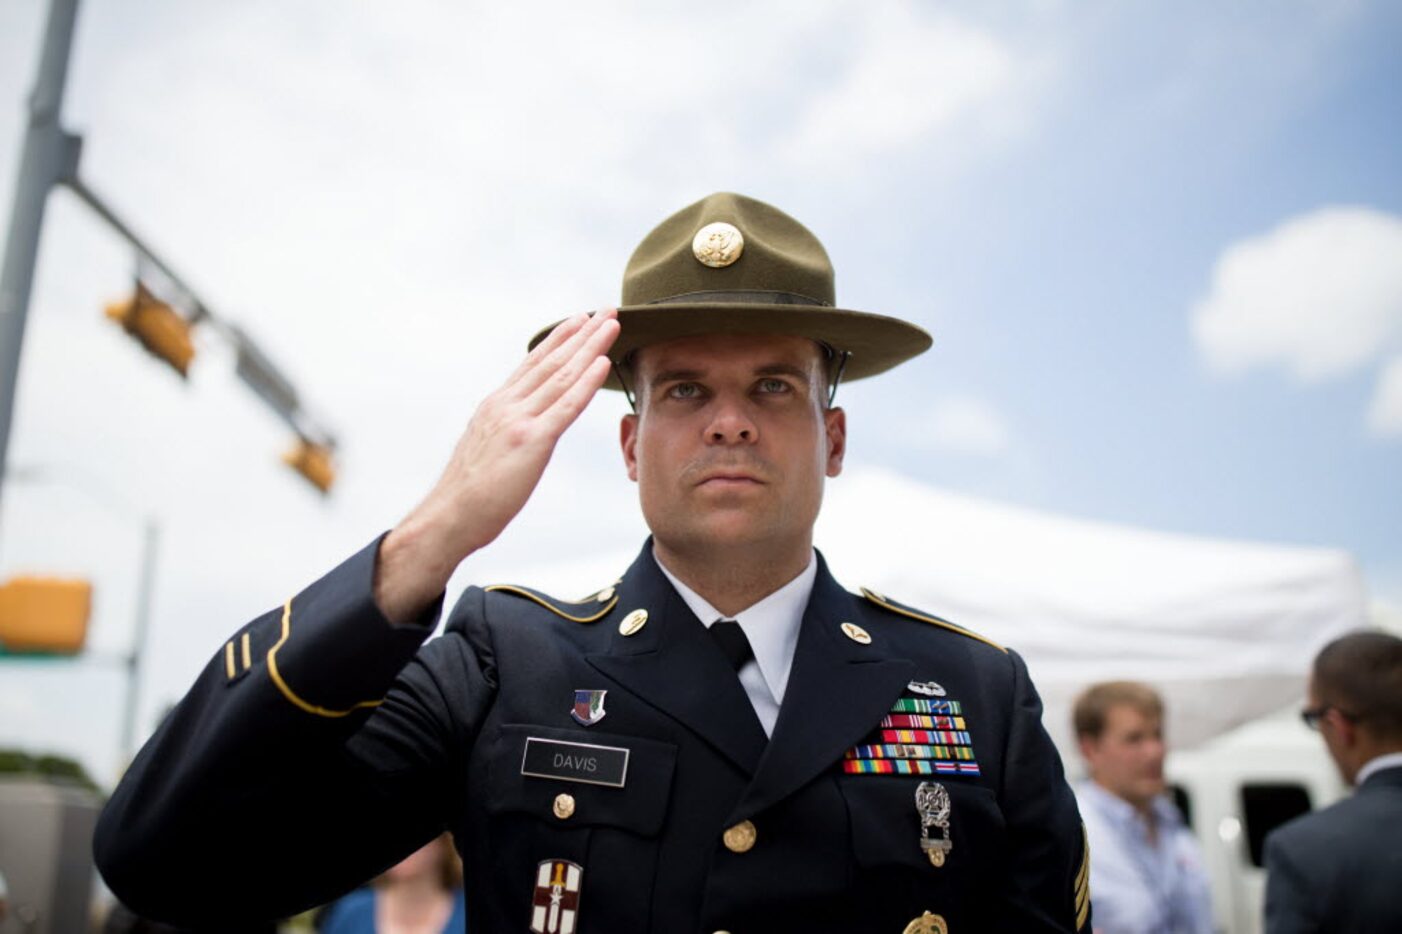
(552, 341)
(557, 374)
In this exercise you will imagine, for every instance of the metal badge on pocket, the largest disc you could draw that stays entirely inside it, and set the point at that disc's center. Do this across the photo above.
(932, 802)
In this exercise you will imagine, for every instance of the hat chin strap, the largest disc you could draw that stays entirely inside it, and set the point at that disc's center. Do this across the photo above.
(842, 356)
(623, 384)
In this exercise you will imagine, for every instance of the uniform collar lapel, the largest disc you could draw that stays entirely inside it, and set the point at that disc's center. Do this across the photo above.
(837, 692)
(675, 665)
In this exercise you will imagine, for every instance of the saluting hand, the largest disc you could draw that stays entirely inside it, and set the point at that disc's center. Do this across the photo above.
(495, 465)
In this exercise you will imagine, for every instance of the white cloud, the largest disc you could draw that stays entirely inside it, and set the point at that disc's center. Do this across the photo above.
(1321, 295)
(967, 425)
(1385, 412)
(910, 76)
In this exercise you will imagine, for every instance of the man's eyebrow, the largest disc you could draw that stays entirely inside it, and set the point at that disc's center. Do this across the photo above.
(668, 376)
(784, 369)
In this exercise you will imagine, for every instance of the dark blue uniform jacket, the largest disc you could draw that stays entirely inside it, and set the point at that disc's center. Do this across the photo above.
(321, 744)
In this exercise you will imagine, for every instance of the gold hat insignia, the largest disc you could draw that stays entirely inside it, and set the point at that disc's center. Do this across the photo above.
(718, 244)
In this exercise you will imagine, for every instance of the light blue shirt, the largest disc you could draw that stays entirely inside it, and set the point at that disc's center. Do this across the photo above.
(1138, 887)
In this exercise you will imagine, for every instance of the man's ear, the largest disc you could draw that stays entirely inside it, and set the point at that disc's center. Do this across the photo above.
(1089, 747)
(1344, 728)
(628, 441)
(836, 424)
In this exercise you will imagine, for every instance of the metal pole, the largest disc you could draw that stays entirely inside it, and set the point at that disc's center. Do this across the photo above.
(138, 648)
(49, 156)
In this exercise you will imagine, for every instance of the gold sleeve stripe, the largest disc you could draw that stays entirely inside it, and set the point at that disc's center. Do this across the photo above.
(229, 659)
(1084, 873)
(247, 655)
(1083, 880)
(882, 602)
(282, 685)
(522, 592)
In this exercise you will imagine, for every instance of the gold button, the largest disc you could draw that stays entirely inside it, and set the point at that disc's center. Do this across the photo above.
(605, 595)
(718, 244)
(564, 806)
(633, 622)
(856, 633)
(740, 838)
(928, 924)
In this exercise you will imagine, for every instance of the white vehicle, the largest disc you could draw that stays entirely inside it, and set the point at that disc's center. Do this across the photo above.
(1237, 788)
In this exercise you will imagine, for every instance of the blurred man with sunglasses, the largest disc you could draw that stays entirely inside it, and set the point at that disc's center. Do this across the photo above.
(1340, 869)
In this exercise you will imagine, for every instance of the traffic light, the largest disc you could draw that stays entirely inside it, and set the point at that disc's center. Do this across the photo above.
(158, 327)
(312, 461)
(44, 615)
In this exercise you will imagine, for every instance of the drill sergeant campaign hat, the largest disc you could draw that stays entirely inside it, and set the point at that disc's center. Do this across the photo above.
(729, 264)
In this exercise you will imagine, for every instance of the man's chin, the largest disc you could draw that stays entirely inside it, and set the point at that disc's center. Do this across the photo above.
(730, 528)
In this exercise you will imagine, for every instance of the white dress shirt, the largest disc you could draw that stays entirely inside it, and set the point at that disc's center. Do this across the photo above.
(772, 626)
(1390, 760)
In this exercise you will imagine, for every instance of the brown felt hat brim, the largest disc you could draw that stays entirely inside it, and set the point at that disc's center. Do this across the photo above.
(875, 343)
(729, 264)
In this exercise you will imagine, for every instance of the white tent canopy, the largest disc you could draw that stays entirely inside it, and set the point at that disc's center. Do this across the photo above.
(1226, 630)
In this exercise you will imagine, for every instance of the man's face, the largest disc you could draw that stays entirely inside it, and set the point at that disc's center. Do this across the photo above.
(1127, 758)
(731, 441)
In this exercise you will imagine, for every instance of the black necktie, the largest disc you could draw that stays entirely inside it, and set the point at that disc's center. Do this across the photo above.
(731, 639)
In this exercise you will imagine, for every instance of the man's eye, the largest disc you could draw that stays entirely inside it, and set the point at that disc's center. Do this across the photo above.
(684, 391)
(773, 385)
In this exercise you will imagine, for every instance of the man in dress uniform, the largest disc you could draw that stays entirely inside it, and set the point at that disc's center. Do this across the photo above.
(1338, 869)
(723, 739)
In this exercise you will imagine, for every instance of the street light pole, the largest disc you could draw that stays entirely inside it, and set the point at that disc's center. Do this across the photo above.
(133, 661)
(150, 545)
(50, 156)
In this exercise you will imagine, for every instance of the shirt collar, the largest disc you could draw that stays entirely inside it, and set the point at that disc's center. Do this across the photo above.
(1373, 766)
(1118, 809)
(771, 625)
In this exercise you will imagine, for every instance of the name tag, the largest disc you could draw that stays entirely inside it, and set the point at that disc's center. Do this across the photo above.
(575, 762)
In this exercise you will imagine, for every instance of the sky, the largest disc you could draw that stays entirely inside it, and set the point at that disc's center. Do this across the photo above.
(1160, 254)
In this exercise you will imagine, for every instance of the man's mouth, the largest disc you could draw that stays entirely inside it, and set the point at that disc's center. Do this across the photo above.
(729, 479)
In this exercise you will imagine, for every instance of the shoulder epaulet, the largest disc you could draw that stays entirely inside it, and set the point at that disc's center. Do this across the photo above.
(887, 604)
(591, 609)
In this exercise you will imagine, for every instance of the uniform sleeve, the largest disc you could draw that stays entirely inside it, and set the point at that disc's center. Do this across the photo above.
(1049, 871)
(314, 750)
(1287, 892)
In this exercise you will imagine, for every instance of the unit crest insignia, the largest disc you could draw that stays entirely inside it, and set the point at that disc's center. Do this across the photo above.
(588, 707)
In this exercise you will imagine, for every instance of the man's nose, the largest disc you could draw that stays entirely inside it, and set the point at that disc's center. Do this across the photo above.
(731, 424)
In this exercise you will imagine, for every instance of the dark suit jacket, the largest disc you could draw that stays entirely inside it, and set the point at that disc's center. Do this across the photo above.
(322, 744)
(1340, 869)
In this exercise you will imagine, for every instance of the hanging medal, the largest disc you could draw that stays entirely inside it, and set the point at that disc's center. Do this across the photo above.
(932, 803)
